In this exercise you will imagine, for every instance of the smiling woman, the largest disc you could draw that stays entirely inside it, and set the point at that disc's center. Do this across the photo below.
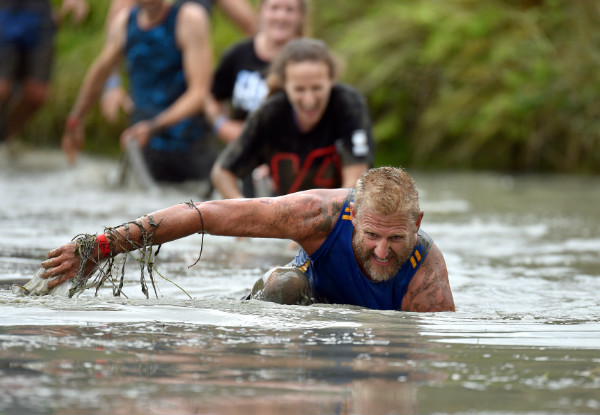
(313, 132)
(308, 80)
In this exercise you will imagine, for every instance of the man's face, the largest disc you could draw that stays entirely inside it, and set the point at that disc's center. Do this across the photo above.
(382, 243)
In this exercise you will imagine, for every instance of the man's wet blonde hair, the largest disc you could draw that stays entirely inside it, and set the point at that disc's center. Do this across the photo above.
(386, 191)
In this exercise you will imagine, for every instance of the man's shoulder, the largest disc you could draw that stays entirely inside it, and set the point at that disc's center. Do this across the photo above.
(190, 12)
(320, 211)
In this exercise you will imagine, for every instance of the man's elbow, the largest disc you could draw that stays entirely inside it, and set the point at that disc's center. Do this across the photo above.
(431, 302)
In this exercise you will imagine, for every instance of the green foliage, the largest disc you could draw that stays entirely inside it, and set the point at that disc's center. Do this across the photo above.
(475, 83)
(486, 84)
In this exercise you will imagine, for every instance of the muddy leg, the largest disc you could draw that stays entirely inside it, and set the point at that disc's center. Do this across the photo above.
(282, 285)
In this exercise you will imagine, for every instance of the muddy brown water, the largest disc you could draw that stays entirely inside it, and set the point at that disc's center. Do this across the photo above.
(523, 255)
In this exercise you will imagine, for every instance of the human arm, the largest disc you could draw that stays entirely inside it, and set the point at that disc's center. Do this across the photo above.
(429, 289)
(355, 144)
(227, 129)
(305, 217)
(114, 96)
(115, 99)
(242, 156)
(77, 8)
(92, 85)
(225, 182)
(116, 6)
(241, 13)
(351, 173)
(223, 110)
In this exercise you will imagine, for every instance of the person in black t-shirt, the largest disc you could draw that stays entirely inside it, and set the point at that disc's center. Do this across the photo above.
(313, 132)
(240, 77)
(240, 86)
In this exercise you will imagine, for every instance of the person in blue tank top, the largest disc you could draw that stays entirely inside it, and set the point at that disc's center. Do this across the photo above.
(361, 247)
(27, 32)
(168, 58)
(114, 97)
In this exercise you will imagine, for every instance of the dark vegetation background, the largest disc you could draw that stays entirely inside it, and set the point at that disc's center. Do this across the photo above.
(507, 85)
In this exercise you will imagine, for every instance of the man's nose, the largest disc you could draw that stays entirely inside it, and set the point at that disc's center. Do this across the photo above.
(382, 248)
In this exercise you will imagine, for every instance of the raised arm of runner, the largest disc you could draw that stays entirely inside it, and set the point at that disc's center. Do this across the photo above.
(92, 86)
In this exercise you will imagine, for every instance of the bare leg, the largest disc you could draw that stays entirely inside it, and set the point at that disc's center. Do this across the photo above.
(33, 96)
(5, 94)
(283, 285)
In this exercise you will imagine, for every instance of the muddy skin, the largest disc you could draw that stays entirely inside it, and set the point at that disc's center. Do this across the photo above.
(283, 285)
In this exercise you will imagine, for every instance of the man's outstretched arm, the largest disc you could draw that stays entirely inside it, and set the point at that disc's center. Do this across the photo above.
(305, 217)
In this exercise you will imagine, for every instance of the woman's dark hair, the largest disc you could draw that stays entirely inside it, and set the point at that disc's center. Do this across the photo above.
(300, 50)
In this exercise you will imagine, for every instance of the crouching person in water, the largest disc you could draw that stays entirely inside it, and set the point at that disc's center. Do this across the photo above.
(360, 246)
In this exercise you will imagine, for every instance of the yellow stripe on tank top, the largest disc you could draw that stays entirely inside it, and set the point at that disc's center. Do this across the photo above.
(346, 216)
(413, 261)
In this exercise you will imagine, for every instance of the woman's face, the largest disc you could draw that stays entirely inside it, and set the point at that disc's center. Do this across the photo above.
(308, 87)
(281, 20)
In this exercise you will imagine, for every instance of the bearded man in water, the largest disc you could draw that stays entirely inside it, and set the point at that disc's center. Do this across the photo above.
(360, 246)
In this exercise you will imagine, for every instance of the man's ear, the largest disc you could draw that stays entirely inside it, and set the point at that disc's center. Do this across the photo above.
(353, 213)
(419, 219)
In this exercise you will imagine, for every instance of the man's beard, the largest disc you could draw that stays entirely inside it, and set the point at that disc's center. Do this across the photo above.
(375, 272)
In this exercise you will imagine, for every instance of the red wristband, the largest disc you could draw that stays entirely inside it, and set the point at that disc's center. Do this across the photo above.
(72, 122)
(103, 245)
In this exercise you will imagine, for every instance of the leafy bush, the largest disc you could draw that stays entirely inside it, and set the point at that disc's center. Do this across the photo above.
(475, 83)
(483, 84)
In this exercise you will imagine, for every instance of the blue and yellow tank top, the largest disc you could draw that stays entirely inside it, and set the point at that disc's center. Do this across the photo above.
(335, 277)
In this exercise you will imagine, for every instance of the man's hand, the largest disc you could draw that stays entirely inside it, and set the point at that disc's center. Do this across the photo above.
(72, 139)
(113, 102)
(63, 263)
(141, 132)
(79, 10)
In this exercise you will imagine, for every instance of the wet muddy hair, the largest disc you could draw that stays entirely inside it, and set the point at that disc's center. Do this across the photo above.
(387, 190)
(296, 51)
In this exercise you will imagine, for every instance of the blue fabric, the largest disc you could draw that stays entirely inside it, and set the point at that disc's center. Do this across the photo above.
(157, 79)
(20, 27)
(335, 277)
